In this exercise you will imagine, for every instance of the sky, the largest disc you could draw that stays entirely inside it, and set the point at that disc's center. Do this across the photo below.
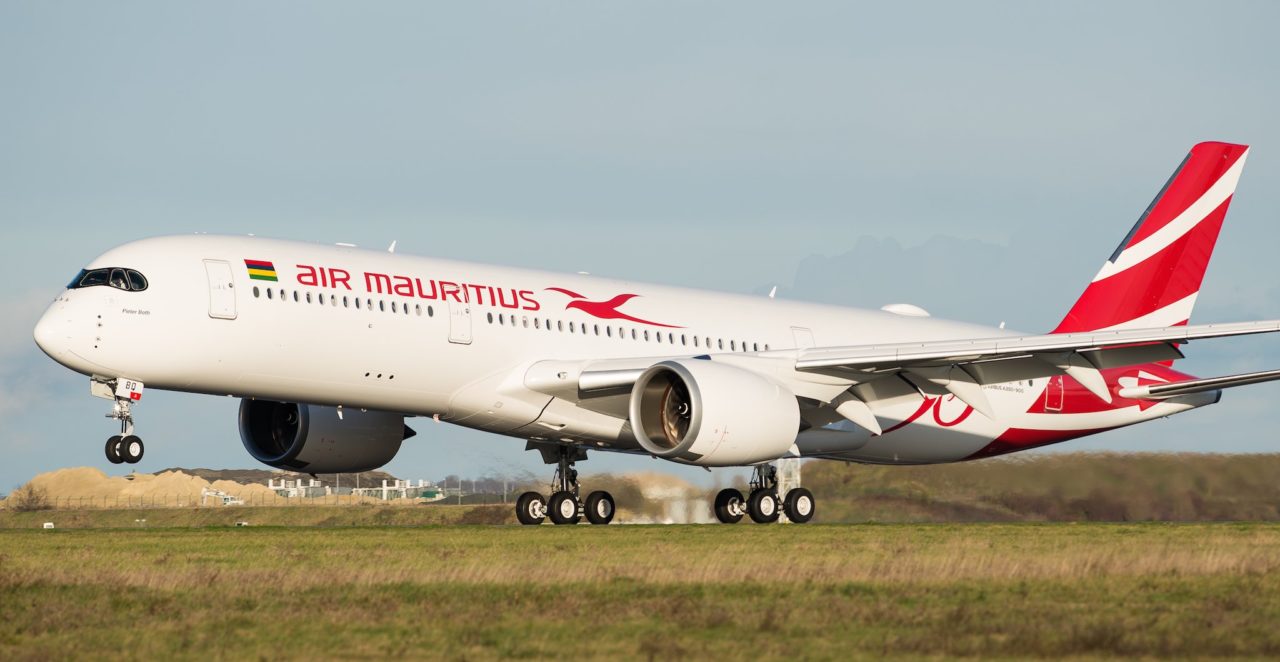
(978, 159)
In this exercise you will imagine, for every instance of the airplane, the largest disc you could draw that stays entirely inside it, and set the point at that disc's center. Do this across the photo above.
(332, 348)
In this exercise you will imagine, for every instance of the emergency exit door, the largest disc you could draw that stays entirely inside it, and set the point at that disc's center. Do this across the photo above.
(459, 323)
(222, 294)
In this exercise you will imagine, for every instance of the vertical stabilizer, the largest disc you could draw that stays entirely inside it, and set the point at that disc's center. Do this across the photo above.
(1153, 277)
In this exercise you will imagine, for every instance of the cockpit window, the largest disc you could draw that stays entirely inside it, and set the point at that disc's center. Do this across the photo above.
(137, 282)
(128, 280)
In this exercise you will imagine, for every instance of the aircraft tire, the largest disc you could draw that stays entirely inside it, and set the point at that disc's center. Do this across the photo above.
(563, 508)
(762, 506)
(113, 449)
(729, 506)
(599, 507)
(798, 505)
(531, 509)
(131, 449)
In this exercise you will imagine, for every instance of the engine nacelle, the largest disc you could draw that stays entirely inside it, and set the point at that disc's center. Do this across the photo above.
(710, 414)
(314, 440)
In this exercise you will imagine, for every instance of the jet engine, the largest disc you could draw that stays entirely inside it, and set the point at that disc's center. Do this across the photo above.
(709, 414)
(314, 439)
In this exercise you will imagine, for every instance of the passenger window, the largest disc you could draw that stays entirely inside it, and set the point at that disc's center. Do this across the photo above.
(256, 293)
(733, 345)
(682, 342)
(295, 296)
(490, 316)
(431, 312)
(393, 306)
(720, 342)
(646, 335)
(537, 323)
(308, 296)
(417, 309)
(695, 341)
(357, 303)
(560, 325)
(571, 327)
(270, 294)
(382, 306)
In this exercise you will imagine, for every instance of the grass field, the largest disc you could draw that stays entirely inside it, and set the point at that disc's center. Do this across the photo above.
(660, 592)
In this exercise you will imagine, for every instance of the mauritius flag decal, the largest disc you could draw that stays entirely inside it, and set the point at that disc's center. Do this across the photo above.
(261, 270)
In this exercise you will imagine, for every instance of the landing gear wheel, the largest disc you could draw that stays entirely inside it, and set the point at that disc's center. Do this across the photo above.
(531, 508)
(599, 507)
(563, 508)
(131, 449)
(763, 506)
(113, 449)
(798, 505)
(730, 506)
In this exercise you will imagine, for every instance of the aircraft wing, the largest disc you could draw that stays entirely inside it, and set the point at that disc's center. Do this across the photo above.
(834, 375)
(878, 358)
(964, 366)
(1162, 391)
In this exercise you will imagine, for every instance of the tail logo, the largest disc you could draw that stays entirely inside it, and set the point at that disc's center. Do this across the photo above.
(606, 310)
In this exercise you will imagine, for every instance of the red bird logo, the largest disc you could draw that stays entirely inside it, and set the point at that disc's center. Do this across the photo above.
(606, 310)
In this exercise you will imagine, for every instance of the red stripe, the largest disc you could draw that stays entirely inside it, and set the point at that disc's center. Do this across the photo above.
(1167, 277)
(259, 264)
(1207, 163)
(1018, 439)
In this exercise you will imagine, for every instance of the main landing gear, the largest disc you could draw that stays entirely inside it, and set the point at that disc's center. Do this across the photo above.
(125, 447)
(762, 504)
(564, 506)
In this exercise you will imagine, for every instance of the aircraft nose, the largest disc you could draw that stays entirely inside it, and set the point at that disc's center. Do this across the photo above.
(51, 332)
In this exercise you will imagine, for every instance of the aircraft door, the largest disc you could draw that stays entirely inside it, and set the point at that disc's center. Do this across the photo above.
(222, 294)
(1054, 394)
(459, 323)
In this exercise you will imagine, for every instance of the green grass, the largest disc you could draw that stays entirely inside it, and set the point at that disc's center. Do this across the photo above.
(662, 592)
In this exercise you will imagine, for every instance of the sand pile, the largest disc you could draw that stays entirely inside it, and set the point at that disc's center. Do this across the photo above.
(88, 482)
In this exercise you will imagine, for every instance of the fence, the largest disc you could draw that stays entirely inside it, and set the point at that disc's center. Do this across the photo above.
(252, 499)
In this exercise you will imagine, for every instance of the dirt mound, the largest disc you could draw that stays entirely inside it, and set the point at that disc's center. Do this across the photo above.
(88, 482)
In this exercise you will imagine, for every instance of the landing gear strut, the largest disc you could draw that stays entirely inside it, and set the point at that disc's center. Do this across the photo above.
(564, 506)
(763, 504)
(125, 447)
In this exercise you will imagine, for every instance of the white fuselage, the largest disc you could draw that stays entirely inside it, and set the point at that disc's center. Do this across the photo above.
(433, 337)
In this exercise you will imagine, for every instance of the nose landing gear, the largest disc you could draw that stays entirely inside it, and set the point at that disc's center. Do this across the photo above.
(125, 447)
(564, 506)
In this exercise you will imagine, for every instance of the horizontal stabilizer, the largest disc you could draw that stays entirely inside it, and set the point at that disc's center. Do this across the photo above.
(1162, 391)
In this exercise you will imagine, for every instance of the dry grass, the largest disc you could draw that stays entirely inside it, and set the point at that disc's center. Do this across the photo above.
(819, 592)
(1099, 487)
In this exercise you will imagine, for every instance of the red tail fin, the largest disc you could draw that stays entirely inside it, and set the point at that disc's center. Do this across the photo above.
(1154, 276)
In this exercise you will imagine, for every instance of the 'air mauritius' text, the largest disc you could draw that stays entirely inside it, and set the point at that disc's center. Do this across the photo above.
(442, 290)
